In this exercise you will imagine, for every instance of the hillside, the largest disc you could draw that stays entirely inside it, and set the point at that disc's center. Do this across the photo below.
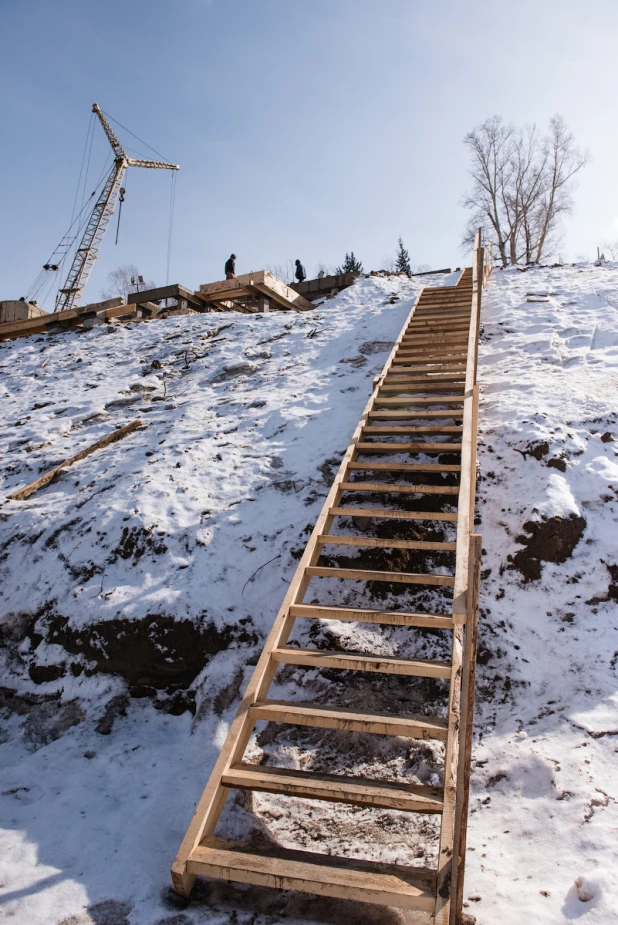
(135, 593)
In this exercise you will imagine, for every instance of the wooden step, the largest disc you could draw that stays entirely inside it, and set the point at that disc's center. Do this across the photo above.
(394, 488)
(414, 387)
(375, 542)
(315, 715)
(396, 431)
(442, 400)
(390, 487)
(425, 328)
(387, 514)
(422, 357)
(434, 327)
(452, 368)
(427, 400)
(320, 874)
(335, 788)
(438, 314)
(351, 661)
(436, 341)
(414, 415)
(408, 447)
(434, 376)
(403, 578)
(402, 467)
(388, 617)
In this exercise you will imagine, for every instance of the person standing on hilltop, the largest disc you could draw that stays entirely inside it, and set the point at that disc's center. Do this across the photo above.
(300, 272)
(230, 267)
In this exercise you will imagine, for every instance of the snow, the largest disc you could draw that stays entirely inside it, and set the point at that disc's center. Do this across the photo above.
(200, 517)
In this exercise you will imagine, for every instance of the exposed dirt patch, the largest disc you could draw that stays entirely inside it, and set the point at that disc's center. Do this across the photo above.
(135, 541)
(156, 653)
(551, 540)
(157, 656)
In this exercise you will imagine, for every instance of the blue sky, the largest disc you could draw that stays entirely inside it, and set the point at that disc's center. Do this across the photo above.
(303, 129)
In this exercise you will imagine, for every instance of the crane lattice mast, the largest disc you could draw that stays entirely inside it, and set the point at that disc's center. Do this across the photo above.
(70, 293)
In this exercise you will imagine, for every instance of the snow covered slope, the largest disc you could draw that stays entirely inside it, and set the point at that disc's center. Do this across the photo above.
(155, 567)
(544, 810)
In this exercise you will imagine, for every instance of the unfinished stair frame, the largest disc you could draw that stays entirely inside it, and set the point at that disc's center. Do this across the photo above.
(433, 362)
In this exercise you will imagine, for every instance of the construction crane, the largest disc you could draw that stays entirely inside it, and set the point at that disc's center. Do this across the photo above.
(88, 248)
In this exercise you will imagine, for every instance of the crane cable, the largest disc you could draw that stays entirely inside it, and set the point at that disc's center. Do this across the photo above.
(170, 226)
(81, 168)
(158, 153)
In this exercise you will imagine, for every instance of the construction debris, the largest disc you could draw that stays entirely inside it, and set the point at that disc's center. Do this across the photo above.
(116, 435)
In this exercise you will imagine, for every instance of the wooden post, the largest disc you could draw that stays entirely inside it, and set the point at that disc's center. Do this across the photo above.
(467, 725)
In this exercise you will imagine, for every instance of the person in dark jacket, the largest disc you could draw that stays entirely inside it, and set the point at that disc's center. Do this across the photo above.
(300, 272)
(230, 267)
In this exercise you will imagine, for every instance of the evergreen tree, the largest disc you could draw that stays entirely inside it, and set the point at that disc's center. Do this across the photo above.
(402, 264)
(350, 265)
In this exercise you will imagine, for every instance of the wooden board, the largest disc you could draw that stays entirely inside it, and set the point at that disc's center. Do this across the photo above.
(249, 284)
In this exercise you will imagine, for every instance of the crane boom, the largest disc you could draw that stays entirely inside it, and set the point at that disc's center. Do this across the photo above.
(88, 248)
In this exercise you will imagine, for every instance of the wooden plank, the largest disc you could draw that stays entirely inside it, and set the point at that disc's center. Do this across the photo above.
(374, 542)
(447, 863)
(438, 374)
(417, 415)
(389, 617)
(403, 467)
(322, 658)
(454, 367)
(394, 488)
(438, 327)
(467, 725)
(396, 431)
(323, 875)
(408, 447)
(315, 715)
(404, 578)
(335, 788)
(419, 388)
(429, 400)
(48, 477)
(284, 295)
(386, 514)
(422, 340)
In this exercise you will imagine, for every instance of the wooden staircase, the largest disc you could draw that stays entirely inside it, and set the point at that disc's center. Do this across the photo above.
(415, 443)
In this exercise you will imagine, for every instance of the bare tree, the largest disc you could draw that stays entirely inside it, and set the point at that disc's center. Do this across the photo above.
(521, 187)
(123, 280)
(563, 161)
(492, 146)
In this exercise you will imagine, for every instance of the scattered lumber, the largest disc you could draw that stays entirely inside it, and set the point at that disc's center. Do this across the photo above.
(48, 477)
(256, 285)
